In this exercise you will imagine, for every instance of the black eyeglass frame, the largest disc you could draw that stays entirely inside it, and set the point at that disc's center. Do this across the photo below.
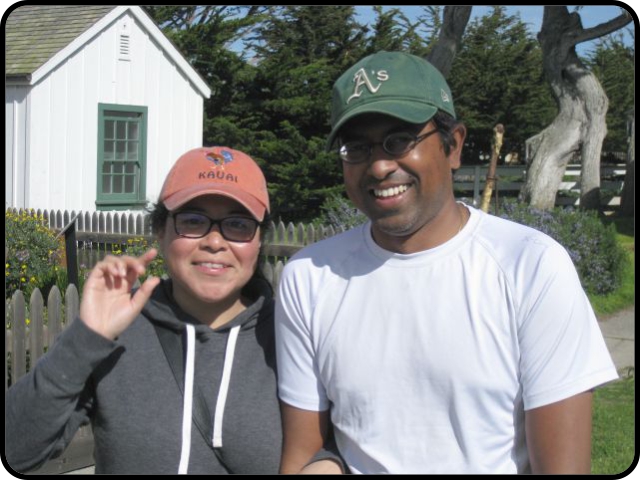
(416, 139)
(221, 224)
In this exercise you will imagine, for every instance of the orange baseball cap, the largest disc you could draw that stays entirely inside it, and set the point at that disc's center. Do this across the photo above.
(219, 171)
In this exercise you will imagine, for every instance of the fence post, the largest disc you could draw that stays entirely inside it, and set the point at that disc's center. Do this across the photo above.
(36, 327)
(18, 340)
(71, 248)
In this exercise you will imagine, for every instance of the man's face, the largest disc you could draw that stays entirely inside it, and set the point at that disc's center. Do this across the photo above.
(409, 199)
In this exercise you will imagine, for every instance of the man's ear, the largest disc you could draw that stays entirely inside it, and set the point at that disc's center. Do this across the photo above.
(459, 133)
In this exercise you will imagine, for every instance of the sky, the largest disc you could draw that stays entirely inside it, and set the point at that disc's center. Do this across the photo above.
(591, 15)
(532, 15)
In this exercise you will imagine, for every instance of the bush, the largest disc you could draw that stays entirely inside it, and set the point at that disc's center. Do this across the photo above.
(136, 247)
(34, 254)
(592, 246)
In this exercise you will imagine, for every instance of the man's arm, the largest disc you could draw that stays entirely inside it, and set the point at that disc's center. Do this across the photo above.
(559, 436)
(305, 432)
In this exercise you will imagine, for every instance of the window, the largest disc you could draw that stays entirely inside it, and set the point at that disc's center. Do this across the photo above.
(122, 159)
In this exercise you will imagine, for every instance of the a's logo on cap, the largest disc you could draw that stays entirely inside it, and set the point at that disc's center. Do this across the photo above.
(220, 159)
(362, 79)
(444, 96)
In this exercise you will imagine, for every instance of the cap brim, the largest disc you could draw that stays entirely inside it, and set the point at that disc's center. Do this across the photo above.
(408, 111)
(252, 204)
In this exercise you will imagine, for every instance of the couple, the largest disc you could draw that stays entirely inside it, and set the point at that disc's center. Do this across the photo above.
(433, 339)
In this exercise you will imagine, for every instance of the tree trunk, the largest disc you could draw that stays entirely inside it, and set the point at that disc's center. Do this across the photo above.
(454, 22)
(580, 125)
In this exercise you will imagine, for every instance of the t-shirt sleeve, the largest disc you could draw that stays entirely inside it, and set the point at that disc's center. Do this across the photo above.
(562, 349)
(299, 383)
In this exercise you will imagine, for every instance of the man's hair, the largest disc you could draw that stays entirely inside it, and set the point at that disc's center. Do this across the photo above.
(446, 124)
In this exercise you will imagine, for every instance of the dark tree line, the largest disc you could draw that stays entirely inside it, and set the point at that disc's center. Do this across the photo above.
(271, 69)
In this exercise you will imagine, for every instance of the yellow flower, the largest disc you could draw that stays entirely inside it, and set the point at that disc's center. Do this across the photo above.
(24, 267)
(33, 280)
(23, 280)
(27, 321)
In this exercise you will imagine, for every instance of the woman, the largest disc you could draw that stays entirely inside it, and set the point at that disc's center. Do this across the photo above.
(178, 377)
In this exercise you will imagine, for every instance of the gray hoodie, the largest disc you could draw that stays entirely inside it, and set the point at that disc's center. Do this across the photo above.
(134, 398)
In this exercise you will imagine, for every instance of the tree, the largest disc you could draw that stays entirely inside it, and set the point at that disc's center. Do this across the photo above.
(497, 78)
(302, 50)
(582, 105)
(454, 22)
(612, 62)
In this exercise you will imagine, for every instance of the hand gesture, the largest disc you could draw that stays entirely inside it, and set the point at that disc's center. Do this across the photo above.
(107, 306)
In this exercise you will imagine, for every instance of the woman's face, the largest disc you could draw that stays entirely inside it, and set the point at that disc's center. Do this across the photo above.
(208, 273)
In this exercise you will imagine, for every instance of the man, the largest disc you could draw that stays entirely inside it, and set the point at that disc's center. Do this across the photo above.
(435, 338)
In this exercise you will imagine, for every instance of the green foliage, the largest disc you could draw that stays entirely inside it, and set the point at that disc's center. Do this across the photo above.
(497, 77)
(598, 257)
(613, 64)
(34, 254)
(136, 247)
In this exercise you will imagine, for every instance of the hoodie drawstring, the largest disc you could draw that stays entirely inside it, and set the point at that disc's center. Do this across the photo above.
(224, 386)
(188, 394)
(187, 405)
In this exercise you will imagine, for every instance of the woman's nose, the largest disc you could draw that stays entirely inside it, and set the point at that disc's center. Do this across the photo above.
(214, 238)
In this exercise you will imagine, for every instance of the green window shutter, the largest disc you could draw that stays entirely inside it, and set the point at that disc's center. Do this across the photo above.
(122, 157)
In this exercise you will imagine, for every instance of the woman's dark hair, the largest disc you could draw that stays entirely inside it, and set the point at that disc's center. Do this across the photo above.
(158, 215)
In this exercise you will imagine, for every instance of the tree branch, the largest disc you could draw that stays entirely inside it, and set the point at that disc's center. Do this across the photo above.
(603, 29)
(455, 21)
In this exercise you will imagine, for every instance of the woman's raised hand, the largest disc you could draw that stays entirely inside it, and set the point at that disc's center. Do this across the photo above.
(107, 306)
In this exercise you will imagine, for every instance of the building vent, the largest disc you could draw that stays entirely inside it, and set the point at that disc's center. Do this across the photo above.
(124, 39)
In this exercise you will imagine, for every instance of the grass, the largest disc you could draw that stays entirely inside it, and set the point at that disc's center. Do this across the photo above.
(613, 444)
(613, 438)
(624, 296)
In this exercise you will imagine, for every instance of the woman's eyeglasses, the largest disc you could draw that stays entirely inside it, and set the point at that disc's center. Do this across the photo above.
(198, 225)
(395, 144)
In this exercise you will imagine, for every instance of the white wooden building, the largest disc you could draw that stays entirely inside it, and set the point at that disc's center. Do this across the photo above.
(98, 104)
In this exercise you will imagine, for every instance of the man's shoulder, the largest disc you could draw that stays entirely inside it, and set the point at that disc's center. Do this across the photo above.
(332, 247)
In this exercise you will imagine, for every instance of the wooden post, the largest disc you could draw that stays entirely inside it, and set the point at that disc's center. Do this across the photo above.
(71, 248)
(498, 135)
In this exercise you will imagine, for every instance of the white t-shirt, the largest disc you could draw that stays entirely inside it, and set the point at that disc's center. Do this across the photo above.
(428, 361)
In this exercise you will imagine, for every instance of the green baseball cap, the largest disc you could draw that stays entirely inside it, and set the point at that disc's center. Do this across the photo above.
(398, 84)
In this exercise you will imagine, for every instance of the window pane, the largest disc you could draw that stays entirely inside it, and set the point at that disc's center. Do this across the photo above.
(109, 129)
(109, 154)
(133, 131)
(130, 168)
(106, 184)
(121, 151)
(129, 182)
(117, 184)
(132, 154)
(121, 130)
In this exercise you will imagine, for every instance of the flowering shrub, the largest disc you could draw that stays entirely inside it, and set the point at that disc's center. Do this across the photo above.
(34, 254)
(592, 246)
(136, 247)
